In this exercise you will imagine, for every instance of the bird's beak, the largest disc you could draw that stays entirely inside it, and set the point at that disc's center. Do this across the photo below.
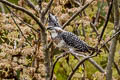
(49, 28)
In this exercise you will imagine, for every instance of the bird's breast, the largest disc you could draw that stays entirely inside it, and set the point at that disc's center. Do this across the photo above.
(60, 43)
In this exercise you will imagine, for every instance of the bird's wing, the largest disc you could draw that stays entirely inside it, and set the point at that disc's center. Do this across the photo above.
(73, 41)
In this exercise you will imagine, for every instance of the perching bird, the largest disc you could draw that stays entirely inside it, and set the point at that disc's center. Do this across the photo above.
(69, 41)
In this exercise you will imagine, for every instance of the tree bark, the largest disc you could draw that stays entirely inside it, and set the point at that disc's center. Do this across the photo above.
(114, 42)
(46, 54)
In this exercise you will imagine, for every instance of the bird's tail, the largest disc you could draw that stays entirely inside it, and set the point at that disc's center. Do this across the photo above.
(94, 49)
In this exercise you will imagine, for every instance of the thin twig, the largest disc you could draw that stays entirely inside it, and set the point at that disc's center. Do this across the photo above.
(116, 66)
(74, 15)
(98, 13)
(25, 11)
(18, 27)
(47, 8)
(31, 5)
(96, 65)
(57, 59)
(94, 28)
(106, 22)
(30, 26)
(90, 60)
(40, 5)
(110, 38)
(77, 66)
(93, 25)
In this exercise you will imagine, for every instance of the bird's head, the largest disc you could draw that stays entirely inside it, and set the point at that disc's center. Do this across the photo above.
(53, 21)
(54, 29)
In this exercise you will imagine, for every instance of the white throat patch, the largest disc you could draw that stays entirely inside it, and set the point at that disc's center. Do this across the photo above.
(54, 34)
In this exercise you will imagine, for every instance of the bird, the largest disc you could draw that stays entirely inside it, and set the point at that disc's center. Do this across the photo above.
(69, 41)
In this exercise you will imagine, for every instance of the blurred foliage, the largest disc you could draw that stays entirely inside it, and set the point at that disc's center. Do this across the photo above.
(18, 60)
(14, 1)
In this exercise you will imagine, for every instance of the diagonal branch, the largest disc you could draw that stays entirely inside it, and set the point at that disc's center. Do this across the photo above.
(93, 25)
(74, 15)
(57, 59)
(113, 36)
(106, 22)
(47, 8)
(18, 27)
(94, 28)
(25, 11)
(77, 66)
(98, 13)
(30, 4)
(30, 26)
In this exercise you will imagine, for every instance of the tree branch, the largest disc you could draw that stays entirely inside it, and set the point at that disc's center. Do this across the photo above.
(94, 28)
(18, 27)
(47, 8)
(57, 59)
(74, 15)
(114, 42)
(113, 36)
(93, 25)
(98, 13)
(106, 22)
(31, 5)
(30, 26)
(77, 66)
(25, 11)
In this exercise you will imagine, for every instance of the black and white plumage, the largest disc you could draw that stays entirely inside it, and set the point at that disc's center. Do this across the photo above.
(53, 21)
(68, 40)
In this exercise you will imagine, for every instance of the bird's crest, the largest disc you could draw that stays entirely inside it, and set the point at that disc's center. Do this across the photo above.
(53, 21)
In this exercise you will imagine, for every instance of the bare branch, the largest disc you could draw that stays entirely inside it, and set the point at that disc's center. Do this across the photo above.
(25, 11)
(19, 27)
(114, 42)
(106, 22)
(30, 4)
(47, 8)
(118, 69)
(94, 28)
(30, 26)
(90, 60)
(98, 13)
(93, 25)
(96, 65)
(57, 59)
(113, 36)
(40, 5)
(77, 66)
(74, 15)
